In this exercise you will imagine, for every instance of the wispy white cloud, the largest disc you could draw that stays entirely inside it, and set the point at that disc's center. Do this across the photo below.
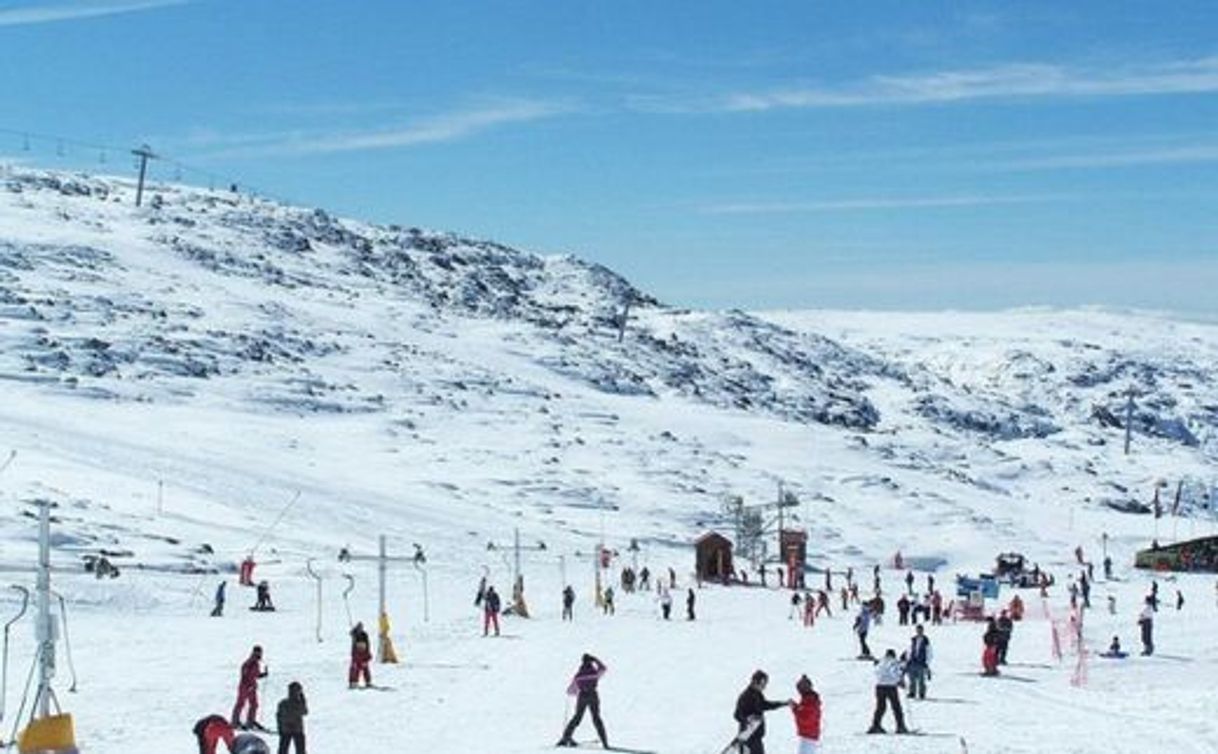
(1015, 80)
(436, 129)
(42, 13)
(867, 204)
(1181, 155)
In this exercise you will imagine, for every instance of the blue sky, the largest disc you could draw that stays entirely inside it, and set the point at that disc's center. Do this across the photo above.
(723, 154)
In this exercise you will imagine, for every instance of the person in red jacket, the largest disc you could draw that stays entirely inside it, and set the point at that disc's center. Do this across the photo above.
(247, 690)
(807, 717)
(210, 731)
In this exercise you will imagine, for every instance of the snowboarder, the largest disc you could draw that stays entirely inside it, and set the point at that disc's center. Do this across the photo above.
(490, 611)
(289, 719)
(990, 639)
(247, 690)
(568, 603)
(583, 688)
(888, 672)
(210, 731)
(1114, 650)
(807, 714)
(1005, 627)
(361, 656)
(862, 624)
(690, 599)
(264, 603)
(218, 610)
(917, 664)
(751, 707)
(1146, 622)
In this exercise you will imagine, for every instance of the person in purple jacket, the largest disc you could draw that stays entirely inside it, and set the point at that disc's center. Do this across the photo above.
(583, 687)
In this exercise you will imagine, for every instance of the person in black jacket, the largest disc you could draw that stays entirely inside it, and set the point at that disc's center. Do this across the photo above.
(751, 706)
(290, 719)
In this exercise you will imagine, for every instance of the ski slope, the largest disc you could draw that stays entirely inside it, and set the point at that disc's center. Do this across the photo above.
(172, 390)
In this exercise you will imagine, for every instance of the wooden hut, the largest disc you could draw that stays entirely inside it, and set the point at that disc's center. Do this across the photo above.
(713, 553)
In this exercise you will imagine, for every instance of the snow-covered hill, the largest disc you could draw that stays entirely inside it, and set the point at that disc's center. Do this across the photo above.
(172, 375)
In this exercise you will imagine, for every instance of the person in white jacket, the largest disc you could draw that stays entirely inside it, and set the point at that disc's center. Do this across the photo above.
(888, 676)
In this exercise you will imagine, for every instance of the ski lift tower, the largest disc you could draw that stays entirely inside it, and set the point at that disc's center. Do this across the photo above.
(46, 732)
(752, 525)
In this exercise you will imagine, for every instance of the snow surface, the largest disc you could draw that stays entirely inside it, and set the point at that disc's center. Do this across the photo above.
(447, 391)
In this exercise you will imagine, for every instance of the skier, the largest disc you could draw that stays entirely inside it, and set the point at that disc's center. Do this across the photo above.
(936, 608)
(795, 600)
(903, 611)
(644, 579)
(672, 578)
(607, 599)
(761, 573)
(1179, 600)
(809, 610)
(751, 707)
(1016, 607)
(989, 656)
(1146, 622)
(264, 598)
(917, 663)
(246, 576)
(490, 611)
(289, 719)
(807, 714)
(822, 603)
(218, 610)
(1154, 595)
(1112, 604)
(1005, 628)
(583, 688)
(1085, 585)
(862, 624)
(690, 599)
(361, 656)
(247, 691)
(568, 603)
(930, 583)
(210, 731)
(1107, 568)
(666, 603)
(888, 672)
(845, 595)
(909, 581)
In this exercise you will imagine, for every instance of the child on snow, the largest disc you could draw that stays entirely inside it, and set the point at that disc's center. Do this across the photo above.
(361, 656)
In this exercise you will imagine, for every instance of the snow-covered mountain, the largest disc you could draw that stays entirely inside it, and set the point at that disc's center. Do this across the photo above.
(172, 375)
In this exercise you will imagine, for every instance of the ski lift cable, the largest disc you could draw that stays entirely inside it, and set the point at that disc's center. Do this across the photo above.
(25, 695)
(274, 523)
